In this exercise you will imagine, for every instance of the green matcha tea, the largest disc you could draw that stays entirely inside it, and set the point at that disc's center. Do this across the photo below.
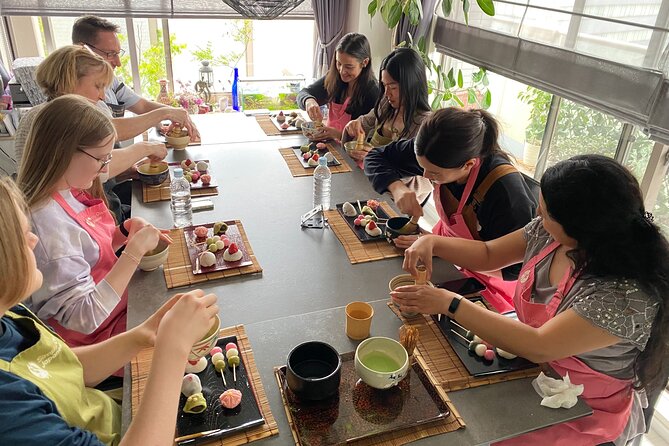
(380, 362)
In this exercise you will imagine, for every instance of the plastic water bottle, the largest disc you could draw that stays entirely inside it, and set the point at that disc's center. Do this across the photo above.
(182, 211)
(235, 91)
(322, 182)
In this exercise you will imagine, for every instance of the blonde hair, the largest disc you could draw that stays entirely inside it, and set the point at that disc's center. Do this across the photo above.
(60, 73)
(63, 126)
(14, 250)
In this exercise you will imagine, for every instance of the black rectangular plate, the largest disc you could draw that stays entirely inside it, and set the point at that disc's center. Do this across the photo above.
(231, 421)
(359, 230)
(298, 153)
(475, 365)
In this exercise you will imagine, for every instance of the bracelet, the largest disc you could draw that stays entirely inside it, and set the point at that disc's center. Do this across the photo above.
(131, 256)
(123, 230)
(453, 307)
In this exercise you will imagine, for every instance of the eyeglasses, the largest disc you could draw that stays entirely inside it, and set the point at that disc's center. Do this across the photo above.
(103, 161)
(107, 54)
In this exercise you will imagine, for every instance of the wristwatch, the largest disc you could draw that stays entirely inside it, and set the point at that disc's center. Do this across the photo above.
(453, 307)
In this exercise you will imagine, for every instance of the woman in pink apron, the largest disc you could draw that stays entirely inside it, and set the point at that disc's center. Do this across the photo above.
(400, 109)
(46, 388)
(349, 88)
(591, 297)
(478, 194)
(85, 297)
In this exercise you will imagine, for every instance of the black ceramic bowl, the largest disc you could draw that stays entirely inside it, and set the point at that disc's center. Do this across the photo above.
(393, 225)
(313, 371)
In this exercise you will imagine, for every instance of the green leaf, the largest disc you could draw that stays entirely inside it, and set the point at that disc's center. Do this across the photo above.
(447, 7)
(436, 102)
(448, 96)
(487, 100)
(451, 78)
(447, 80)
(487, 6)
(394, 15)
(471, 96)
(465, 9)
(421, 44)
(476, 77)
(371, 8)
(461, 81)
(457, 99)
(485, 79)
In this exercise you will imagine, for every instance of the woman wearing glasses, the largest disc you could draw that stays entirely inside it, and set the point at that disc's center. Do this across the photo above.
(84, 295)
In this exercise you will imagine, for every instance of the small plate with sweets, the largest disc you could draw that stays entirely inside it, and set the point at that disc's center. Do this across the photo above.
(197, 172)
(358, 216)
(216, 247)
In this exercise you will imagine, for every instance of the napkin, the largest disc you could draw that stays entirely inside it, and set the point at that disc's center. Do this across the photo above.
(557, 392)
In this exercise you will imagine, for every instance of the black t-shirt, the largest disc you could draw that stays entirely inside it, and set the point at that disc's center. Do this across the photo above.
(507, 206)
(370, 93)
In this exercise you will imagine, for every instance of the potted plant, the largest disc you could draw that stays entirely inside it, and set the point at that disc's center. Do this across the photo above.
(540, 102)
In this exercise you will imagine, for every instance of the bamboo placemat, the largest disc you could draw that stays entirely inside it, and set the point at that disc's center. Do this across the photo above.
(179, 271)
(442, 365)
(452, 423)
(298, 170)
(141, 365)
(162, 192)
(267, 126)
(357, 251)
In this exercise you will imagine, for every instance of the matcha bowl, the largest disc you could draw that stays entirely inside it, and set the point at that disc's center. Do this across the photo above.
(381, 362)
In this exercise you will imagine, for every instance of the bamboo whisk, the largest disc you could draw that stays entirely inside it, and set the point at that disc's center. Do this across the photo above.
(409, 338)
(421, 275)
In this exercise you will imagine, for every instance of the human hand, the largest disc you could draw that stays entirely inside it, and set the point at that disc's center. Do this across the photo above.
(420, 251)
(154, 150)
(325, 133)
(313, 110)
(186, 321)
(192, 129)
(134, 224)
(147, 330)
(422, 299)
(145, 239)
(353, 128)
(407, 202)
(405, 241)
(175, 114)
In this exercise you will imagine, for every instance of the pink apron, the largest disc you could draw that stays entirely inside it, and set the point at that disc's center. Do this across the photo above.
(610, 398)
(337, 116)
(99, 224)
(498, 292)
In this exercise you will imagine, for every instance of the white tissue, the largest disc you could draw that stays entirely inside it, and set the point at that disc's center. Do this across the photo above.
(557, 392)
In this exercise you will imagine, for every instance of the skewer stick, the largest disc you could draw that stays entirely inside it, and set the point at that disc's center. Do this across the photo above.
(234, 373)
(359, 207)
(223, 376)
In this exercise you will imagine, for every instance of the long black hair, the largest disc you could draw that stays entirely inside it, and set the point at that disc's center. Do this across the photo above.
(407, 68)
(599, 204)
(355, 45)
(452, 136)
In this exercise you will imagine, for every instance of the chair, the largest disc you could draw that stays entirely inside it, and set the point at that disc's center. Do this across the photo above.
(533, 185)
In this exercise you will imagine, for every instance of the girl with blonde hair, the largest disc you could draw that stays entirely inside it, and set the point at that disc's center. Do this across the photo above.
(84, 297)
(46, 393)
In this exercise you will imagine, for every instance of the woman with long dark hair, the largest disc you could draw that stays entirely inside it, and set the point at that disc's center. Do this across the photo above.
(349, 88)
(477, 192)
(401, 107)
(591, 298)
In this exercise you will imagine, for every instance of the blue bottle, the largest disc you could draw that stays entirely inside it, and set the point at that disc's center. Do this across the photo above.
(235, 91)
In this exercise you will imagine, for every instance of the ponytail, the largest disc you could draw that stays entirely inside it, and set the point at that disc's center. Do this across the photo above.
(452, 136)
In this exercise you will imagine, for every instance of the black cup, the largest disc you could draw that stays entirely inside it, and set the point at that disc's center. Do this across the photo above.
(313, 371)
(393, 225)
(118, 110)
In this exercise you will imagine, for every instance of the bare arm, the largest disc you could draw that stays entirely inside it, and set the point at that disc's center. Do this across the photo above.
(475, 255)
(125, 158)
(567, 334)
(179, 115)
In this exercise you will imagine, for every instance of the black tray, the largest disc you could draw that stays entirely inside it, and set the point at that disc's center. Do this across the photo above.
(475, 365)
(225, 421)
(360, 230)
(360, 411)
(298, 153)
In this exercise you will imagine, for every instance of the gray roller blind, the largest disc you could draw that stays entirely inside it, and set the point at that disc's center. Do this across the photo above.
(134, 8)
(633, 94)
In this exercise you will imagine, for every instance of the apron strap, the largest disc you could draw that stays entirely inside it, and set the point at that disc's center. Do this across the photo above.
(490, 179)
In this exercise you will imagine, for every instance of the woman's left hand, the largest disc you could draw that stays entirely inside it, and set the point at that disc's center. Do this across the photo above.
(360, 155)
(422, 299)
(325, 133)
(146, 331)
(134, 224)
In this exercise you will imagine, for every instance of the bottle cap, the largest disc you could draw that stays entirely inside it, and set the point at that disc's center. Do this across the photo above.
(178, 172)
(322, 161)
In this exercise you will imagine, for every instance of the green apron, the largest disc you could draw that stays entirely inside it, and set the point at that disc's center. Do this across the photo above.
(378, 140)
(56, 370)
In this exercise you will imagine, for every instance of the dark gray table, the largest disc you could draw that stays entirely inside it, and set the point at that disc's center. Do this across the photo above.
(306, 282)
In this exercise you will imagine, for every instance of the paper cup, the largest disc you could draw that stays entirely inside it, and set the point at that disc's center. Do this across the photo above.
(358, 320)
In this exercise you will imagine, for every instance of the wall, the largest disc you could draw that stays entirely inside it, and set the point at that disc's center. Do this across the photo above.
(378, 34)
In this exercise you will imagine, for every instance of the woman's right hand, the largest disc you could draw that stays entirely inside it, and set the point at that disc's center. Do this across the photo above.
(188, 320)
(407, 202)
(313, 110)
(421, 251)
(353, 128)
(143, 240)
